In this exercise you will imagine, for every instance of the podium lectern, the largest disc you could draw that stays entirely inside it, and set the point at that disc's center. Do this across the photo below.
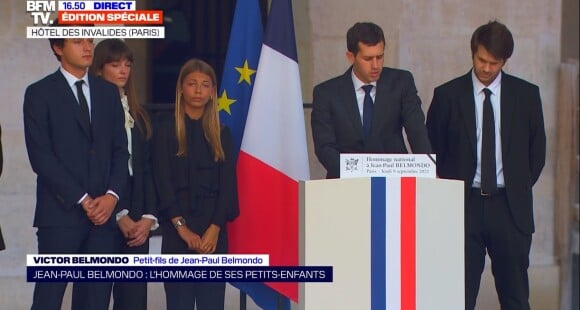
(394, 243)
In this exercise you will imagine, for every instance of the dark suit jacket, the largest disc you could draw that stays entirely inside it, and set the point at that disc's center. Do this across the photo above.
(70, 161)
(337, 127)
(143, 198)
(201, 190)
(451, 126)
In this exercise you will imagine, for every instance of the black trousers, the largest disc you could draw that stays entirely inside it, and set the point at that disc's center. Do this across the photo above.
(186, 295)
(130, 295)
(489, 227)
(81, 240)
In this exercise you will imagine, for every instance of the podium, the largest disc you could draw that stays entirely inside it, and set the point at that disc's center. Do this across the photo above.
(394, 243)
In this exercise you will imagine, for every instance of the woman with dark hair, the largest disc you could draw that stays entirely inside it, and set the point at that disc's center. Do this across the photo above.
(136, 211)
(193, 164)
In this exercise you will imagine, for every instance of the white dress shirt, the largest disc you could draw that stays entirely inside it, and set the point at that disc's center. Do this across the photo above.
(479, 96)
(360, 93)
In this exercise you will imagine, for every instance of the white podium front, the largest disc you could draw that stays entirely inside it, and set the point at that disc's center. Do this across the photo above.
(394, 243)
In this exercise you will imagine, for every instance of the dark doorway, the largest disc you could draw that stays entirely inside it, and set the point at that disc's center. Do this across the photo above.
(193, 28)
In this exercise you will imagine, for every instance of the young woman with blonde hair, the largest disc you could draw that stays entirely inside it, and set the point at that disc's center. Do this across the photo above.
(196, 181)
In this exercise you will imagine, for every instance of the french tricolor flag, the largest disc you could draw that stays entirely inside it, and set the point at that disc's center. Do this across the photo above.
(273, 156)
(394, 243)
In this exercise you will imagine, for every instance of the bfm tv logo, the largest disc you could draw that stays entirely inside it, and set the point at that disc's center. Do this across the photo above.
(40, 11)
(93, 19)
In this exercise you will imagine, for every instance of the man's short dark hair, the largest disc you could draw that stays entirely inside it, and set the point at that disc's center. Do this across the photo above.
(496, 38)
(367, 33)
(56, 42)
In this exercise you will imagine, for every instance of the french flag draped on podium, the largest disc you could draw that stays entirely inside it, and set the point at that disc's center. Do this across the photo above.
(273, 155)
(407, 246)
(405, 243)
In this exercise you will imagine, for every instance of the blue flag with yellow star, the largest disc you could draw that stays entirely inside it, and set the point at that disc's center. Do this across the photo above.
(240, 68)
(233, 102)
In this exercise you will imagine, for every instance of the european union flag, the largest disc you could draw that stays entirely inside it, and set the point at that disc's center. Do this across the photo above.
(240, 68)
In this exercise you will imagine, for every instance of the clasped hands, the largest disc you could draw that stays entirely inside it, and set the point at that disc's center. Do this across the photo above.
(99, 209)
(205, 244)
(136, 232)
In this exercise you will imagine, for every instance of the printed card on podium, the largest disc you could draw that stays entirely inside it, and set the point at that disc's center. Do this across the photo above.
(387, 165)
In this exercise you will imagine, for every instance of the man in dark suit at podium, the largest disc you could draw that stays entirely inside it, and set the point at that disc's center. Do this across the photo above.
(77, 146)
(365, 109)
(487, 129)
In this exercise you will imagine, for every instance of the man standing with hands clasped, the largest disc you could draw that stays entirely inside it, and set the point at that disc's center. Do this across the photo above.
(77, 146)
(487, 129)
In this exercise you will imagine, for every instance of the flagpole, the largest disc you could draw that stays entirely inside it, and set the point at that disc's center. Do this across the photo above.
(243, 300)
(281, 301)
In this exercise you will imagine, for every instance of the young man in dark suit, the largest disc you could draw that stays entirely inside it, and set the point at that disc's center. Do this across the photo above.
(365, 109)
(487, 129)
(77, 146)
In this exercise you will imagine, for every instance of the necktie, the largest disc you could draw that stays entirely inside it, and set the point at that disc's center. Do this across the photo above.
(488, 170)
(367, 110)
(83, 103)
